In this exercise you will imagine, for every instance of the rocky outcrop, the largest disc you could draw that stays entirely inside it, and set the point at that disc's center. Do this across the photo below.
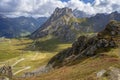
(6, 72)
(112, 73)
(87, 47)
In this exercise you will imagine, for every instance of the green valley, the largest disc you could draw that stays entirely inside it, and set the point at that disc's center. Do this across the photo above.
(12, 50)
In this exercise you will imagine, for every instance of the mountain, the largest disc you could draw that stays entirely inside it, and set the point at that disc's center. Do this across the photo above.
(67, 25)
(97, 21)
(86, 47)
(19, 26)
(100, 20)
(62, 25)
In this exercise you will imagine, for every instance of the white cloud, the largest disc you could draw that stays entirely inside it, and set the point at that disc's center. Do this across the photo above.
(29, 7)
(81, 6)
(38, 8)
(98, 6)
(106, 6)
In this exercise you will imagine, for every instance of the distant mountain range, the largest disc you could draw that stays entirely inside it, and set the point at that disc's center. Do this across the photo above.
(67, 25)
(63, 24)
(20, 26)
(100, 20)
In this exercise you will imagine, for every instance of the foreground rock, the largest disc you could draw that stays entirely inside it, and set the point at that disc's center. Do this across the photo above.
(112, 73)
(6, 73)
(87, 47)
(35, 73)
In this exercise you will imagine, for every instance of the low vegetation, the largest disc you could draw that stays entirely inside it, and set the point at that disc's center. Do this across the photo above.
(13, 50)
(86, 70)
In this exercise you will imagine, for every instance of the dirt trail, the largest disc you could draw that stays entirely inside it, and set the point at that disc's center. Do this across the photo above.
(26, 68)
(20, 60)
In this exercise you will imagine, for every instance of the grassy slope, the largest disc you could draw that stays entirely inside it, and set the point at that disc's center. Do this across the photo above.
(85, 70)
(12, 50)
(50, 44)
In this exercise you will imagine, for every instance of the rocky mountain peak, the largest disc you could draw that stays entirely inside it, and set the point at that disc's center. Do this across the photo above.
(65, 10)
(59, 22)
(59, 12)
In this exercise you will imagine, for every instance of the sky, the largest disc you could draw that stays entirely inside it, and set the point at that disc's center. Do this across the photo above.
(41, 8)
(85, 1)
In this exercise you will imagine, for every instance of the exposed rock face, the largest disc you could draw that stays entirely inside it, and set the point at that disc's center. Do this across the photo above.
(86, 47)
(61, 12)
(112, 73)
(62, 24)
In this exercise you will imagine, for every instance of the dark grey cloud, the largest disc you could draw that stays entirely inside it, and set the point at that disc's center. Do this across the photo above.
(8, 5)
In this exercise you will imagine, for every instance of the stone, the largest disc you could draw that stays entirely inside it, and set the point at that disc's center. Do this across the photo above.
(6, 71)
(101, 73)
(114, 73)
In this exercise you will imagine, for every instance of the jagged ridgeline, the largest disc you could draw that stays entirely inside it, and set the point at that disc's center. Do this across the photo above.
(66, 25)
(86, 47)
(63, 25)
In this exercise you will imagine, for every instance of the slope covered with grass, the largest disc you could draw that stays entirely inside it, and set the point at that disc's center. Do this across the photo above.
(13, 52)
(87, 69)
(87, 57)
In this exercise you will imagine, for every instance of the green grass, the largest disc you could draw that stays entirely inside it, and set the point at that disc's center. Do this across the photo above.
(7, 51)
(49, 44)
(84, 70)
(12, 50)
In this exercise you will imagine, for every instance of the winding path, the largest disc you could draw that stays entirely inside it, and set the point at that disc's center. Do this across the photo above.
(26, 68)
